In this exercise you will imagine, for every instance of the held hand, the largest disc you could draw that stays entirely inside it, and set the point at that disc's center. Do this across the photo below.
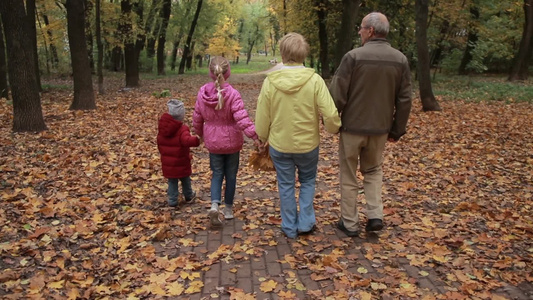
(257, 144)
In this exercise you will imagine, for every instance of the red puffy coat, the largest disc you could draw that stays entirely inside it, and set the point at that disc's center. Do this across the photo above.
(173, 141)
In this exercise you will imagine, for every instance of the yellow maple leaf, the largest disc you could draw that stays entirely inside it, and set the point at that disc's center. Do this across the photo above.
(73, 294)
(286, 295)
(365, 296)
(194, 287)
(175, 289)
(56, 284)
(268, 286)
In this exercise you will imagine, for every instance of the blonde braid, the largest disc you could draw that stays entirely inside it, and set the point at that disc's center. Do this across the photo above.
(218, 83)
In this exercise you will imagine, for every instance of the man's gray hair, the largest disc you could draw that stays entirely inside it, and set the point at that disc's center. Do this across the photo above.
(379, 22)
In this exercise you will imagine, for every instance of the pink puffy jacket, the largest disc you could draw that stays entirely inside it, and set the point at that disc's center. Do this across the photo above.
(222, 129)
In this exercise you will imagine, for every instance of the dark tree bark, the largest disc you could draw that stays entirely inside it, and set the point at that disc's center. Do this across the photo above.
(186, 49)
(45, 46)
(27, 110)
(174, 54)
(471, 41)
(53, 50)
(84, 98)
(89, 34)
(131, 62)
(188, 64)
(30, 13)
(141, 36)
(100, 46)
(116, 59)
(177, 41)
(152, 28)
(350, 11)
(519, 71)
(429, 103)
(251, 44)
(323, 38)
(165, 15)
(4, 88)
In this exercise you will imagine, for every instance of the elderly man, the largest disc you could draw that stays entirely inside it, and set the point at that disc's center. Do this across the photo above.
(372, 92)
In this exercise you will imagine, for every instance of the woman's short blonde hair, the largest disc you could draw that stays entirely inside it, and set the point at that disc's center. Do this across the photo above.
(293, 48)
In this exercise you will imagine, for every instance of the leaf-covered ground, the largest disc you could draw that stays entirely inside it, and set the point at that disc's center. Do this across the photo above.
(84, 213)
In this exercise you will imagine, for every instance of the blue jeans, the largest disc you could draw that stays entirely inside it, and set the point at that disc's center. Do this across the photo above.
(173, 192)
(224, 165)
(286, 164)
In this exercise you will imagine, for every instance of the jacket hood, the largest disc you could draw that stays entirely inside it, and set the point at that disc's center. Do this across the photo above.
(290, 80)
(209, 94)
(168, 126)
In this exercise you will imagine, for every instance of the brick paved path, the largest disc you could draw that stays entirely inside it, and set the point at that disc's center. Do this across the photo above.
(250, 250)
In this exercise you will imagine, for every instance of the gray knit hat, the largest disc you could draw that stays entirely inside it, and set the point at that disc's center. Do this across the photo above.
(176, 109)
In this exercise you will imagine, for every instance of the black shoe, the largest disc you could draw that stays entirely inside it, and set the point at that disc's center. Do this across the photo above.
(349, 233)
(310, 231)
(374, 225)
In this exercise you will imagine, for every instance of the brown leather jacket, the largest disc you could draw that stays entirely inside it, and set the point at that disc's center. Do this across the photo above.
(372, 90)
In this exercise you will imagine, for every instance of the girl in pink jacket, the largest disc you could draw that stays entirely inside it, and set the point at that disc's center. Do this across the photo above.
(220, 119)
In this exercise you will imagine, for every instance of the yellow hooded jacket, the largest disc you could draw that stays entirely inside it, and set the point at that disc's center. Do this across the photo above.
(289, 107)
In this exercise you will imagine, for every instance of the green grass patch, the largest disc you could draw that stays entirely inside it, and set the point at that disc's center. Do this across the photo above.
(47, 87)
(258, 63)
(483, 88)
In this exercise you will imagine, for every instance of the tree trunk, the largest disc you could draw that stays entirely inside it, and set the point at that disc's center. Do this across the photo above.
(165, 15)
(27, 110)
(188, 64)
(186, 51)
(131, 62)
(45, 46)
(83, 85)
(471, 42)
(174, 54)
(30, 13)
(100, 46)
(350, 10)
(323, 38)
(152, 29)
(520, 67)
(141, 36)
(53, 50)
(429, 103)
(89, 33)
(116, 59)
(4, 88)
(249, 52)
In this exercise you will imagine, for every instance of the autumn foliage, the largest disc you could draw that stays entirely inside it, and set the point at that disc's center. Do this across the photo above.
(84, 212)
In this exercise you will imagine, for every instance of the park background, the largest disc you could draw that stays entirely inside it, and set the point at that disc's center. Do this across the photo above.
(84, 212)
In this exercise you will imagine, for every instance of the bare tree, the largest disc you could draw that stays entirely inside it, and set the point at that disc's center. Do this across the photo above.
(100, 46)
(187, 49)
(321, 7)
(31, 19)
(27, 110)
(84, 98)
(429, 103)
(4, 88)
(350, 10)
(165, 15)
(130, 57)
(523, 57)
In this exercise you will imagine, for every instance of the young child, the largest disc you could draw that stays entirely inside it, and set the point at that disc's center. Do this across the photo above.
(173, 141)
(220, 119)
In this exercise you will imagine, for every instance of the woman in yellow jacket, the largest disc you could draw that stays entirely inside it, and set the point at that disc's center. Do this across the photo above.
(287, 117)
